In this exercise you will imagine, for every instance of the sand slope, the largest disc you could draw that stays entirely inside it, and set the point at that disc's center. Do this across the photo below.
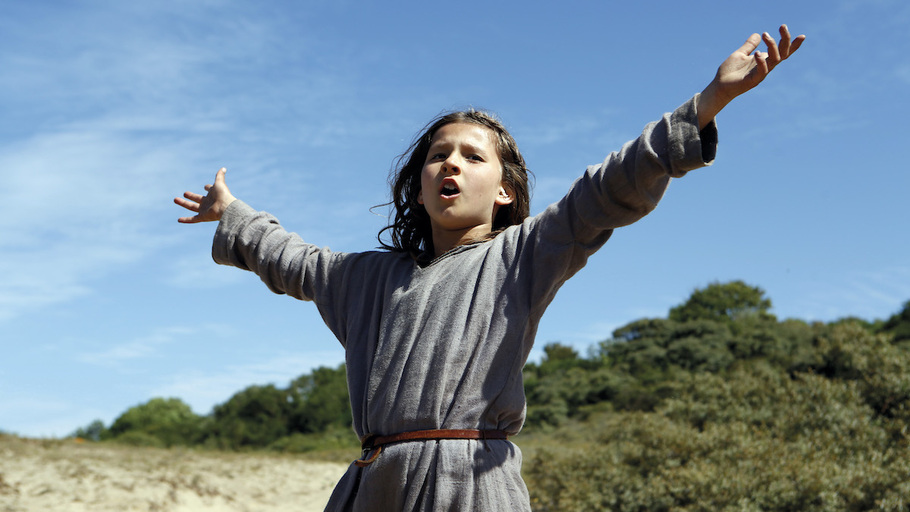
(42, 475)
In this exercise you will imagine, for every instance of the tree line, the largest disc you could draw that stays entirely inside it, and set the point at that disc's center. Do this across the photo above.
(717, 406)
(295, 418)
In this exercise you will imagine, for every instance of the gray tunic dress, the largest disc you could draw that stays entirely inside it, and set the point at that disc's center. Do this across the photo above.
(442, 346)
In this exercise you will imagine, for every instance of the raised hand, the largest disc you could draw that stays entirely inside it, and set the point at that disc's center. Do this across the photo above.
(209, 207)
(744, 69)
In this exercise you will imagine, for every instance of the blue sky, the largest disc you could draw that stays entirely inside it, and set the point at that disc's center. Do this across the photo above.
(110, 109)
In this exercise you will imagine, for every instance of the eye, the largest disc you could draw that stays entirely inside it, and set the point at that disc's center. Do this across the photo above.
(436, 156)
(476, 158)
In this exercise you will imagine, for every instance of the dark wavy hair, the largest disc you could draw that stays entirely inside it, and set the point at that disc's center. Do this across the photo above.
(410, 230)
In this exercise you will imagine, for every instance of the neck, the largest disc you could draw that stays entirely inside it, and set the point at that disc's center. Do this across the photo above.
(446, 240)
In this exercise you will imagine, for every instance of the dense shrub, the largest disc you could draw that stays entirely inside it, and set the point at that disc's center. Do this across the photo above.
(725, 408)
(754, 440)
(332, 439)
(252, 418)
(169, 421)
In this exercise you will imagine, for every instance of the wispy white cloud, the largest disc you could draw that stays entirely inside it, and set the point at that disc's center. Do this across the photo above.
(108, 121)
(74, 206)
(150, 345)
(866, 294)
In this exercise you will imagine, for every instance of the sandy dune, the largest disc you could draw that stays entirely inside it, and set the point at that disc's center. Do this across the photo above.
(69, 476)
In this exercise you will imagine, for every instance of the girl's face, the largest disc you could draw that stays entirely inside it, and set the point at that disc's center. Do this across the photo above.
(461, 182)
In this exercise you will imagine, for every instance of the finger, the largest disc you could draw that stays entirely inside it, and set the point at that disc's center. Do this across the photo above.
(784, 42)
(189, 205)
(762, 66)
(797, 43)
(219, 176)
(188, 220)
(192, 196)
(750, 45)
(208, 187)
(773, 54)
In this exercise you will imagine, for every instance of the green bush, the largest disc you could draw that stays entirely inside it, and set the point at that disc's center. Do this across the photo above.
(756, 439)
(334, 439)
(253, 418)
(169, 420)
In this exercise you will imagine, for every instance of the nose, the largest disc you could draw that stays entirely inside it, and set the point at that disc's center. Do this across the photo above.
(450, 164)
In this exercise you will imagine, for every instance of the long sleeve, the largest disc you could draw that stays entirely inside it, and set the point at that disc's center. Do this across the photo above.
(622, 189)
(255, 241)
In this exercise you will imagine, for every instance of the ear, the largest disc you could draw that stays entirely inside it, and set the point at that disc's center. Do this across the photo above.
(505, 196)
(420, 196)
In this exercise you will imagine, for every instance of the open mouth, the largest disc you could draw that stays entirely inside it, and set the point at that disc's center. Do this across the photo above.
(449, 190)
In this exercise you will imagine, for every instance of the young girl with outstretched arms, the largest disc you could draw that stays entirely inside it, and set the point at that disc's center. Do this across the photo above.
(437, 327)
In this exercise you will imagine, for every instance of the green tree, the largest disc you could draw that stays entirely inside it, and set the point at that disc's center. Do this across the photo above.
(564, 385)
(319, 400)
(898, 325)
(169, 420)
(700, 345)
(724, 302)
(640, 347)
(650, 348)
(254, 417)
(91, 432)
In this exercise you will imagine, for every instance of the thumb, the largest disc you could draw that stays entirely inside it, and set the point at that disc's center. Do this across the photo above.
(750, 45)
(219, 177)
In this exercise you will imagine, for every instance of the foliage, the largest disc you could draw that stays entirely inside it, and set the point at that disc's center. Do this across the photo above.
(91, 432)
(290, 419)
(898, 325)
(722, 407)
(755, 439)
(332, 439)
(724, 302)
(564, 385)
(718, 406)
(879, 369)
(169, 421)
(266, 416)
(319, 400)
(254, 417)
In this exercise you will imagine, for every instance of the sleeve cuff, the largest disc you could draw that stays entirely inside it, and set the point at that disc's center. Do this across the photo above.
(690, 148)
(227, 232)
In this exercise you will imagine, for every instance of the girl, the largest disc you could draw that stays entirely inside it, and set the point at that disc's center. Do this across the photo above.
(437, 328)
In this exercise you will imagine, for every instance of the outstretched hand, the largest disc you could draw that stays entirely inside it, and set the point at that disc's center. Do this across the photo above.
(209, 207)
(743, 70)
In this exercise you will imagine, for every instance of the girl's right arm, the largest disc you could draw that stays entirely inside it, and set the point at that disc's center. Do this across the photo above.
(279, 258)
(255, 241)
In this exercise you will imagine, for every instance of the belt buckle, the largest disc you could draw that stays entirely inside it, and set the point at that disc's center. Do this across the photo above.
(367, 445)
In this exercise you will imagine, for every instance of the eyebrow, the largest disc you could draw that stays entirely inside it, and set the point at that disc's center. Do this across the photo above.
(468, 145)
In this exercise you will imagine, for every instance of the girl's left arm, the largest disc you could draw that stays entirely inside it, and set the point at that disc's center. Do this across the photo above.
(211, 206)
(743, 70)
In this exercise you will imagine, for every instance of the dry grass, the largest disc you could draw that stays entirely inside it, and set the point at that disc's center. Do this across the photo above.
(68, 475)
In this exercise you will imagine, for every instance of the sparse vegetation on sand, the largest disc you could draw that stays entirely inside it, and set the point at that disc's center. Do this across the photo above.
(69, 475)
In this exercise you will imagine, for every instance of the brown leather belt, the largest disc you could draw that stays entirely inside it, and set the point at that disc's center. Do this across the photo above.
(373, 443)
